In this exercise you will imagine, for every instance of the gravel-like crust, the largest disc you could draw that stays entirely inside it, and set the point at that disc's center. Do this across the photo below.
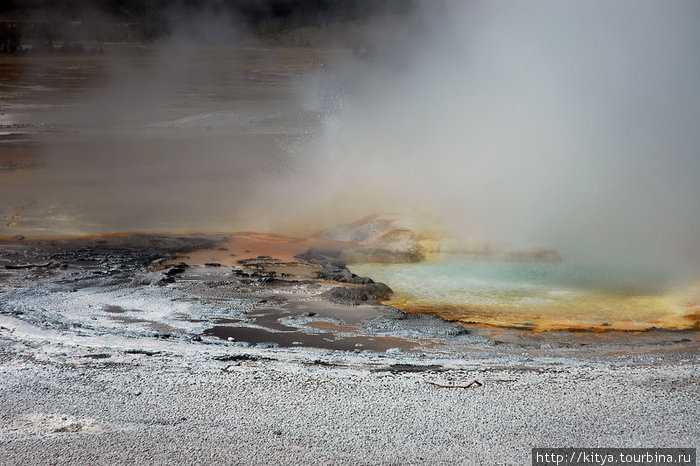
(108, 362)
(183, 406)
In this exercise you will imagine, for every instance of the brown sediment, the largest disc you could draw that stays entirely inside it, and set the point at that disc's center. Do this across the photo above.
(230, 248)
(694, 318)
(548, 318)
(324, 340)
(250, 245)
(14, 159)
(673, 349)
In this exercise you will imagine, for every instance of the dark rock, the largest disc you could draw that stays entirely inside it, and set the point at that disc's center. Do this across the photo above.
(113, 309)
(331, 268)
(384, 238)
(176, 269)
(70, 428)
(382, 255)
(261, 262)
(165, 280)
(313, 256)
(459, 331)
(98, 356)
(371, 293)
(237, 357)
(398, 368)
(140, 351)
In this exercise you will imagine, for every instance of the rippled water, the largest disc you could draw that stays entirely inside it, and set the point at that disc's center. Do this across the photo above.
(539, 296)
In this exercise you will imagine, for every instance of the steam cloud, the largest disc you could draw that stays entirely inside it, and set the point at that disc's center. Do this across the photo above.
(571, 124)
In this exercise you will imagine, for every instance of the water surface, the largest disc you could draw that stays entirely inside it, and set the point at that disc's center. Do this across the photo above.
(539, 296)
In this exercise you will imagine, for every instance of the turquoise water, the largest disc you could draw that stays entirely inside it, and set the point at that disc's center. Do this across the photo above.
(484, 282)
(532, 295)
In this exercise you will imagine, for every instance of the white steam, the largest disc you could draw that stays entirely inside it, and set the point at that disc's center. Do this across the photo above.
(572, 124)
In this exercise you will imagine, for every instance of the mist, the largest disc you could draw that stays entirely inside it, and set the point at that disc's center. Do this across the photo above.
(566, 124)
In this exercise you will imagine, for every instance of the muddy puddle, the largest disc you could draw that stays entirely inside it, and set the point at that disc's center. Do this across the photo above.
(289, 339)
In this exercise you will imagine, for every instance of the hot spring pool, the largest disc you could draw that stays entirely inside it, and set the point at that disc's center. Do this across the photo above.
(539, 296)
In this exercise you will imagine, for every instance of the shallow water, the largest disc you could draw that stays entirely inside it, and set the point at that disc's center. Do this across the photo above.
(135, 139)
(539, 296)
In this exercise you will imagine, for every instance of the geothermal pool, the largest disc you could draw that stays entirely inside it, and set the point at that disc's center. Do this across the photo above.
(539, 296)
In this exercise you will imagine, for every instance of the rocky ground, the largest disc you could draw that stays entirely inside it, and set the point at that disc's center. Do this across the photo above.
(132, 349)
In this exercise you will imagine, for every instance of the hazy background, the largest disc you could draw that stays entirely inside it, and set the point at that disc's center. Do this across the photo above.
(568, 124)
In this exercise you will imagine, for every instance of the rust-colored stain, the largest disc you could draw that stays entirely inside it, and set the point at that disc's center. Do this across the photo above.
(633, 314)
(694, 318)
